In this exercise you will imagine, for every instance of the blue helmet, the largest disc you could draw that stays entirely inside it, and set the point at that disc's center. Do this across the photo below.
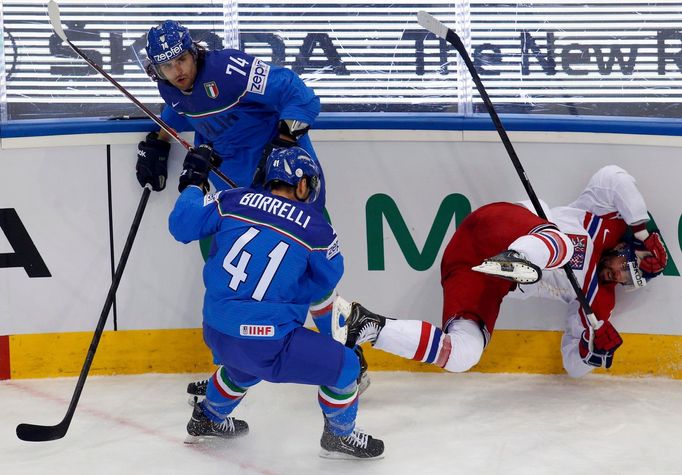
(290, 165)
(633, 250)
(168, 41)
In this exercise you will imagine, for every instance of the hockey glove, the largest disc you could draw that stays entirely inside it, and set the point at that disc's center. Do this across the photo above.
(152, 162)
(196, 167)
(597, 347)
(656, 262)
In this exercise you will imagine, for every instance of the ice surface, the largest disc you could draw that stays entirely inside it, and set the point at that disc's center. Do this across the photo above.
(431, 424)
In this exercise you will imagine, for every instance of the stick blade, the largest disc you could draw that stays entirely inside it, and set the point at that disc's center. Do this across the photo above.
(56, 19)
(36, 433)
(431, 23)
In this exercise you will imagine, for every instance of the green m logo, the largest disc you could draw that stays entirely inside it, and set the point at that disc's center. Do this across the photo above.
(381, 206)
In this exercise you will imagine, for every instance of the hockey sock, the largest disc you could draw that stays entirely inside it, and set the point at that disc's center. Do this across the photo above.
(416, 340)
(222, 396)
(468, 344)
(547, 248)
(340, 407)
(322, 313)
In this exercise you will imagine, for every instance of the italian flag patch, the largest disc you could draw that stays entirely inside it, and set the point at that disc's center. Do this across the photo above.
(211, 89)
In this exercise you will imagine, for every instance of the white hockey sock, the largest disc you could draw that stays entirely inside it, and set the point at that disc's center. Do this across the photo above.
(548, 248)
(415, 340)
(468, 344)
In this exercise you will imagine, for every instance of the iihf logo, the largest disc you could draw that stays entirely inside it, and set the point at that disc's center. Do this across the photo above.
(211, 89)
(257, 330)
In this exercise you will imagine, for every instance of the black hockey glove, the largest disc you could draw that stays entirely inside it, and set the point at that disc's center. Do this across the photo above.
(196, 167)
(152, 162)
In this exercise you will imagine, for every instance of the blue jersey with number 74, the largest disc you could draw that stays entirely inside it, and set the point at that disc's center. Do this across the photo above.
(271, 257)
(235, 105)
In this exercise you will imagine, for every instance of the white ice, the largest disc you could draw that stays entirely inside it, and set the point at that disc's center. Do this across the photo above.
(431, 424)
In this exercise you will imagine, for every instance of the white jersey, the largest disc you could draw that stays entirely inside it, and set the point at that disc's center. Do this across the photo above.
(595, 222)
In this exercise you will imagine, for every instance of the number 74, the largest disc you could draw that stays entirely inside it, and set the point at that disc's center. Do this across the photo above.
(241, 62)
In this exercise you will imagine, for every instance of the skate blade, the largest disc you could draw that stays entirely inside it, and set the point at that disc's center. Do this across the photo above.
(519, 273)
(192, 400)
(340, 308)
(326, 454)
(208, 439)
(196, 439)
(364, 383)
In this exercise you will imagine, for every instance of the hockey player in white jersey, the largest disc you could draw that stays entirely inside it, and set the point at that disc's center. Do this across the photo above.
(505, 249)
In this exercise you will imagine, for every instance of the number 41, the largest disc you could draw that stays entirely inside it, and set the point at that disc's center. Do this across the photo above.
(238, 272)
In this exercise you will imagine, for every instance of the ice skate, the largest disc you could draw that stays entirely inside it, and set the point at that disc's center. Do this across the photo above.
(362, 325)
(512, 266)
(197, 388)
(196, 391)
(200, 427)
(356, 445)
(341, 309)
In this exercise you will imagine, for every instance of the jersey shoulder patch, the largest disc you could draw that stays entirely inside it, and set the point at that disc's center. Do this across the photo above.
(333, 249)
(258, 78)
(579, 241)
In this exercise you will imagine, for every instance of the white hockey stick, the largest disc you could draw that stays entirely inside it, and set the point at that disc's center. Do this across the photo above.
(433, 25)
(56, 21)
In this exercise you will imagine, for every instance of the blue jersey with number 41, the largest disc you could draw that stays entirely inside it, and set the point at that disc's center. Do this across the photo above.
(271, 257)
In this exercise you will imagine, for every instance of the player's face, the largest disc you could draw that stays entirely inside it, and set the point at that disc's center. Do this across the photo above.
(614, 269)
(181, 71)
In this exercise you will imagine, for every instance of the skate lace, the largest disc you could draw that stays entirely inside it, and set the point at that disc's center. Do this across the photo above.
(358, 439)
(227, 425)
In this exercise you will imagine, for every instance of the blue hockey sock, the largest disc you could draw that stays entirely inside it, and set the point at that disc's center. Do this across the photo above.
(339, 403)
(222, 396)
(322, 313)
(340, 407)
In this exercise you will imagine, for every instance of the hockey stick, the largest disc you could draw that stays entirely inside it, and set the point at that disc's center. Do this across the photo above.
(55, 20)
(430, 23)
(38, 433)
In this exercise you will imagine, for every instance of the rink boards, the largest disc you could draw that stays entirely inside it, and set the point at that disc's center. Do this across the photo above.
(394, 197)
(182, 350)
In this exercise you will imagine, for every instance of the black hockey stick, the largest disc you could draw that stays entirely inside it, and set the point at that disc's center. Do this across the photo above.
(38, 433)
(55, 20)
(433, 25)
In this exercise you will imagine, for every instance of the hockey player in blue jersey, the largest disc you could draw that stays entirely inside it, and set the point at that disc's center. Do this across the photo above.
(273, 254)
(238, 105)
